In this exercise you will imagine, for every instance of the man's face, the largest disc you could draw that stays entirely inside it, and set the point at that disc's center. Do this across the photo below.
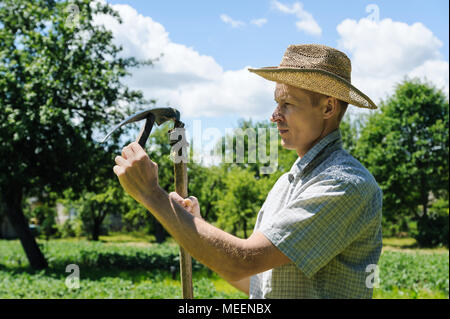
(299, 123)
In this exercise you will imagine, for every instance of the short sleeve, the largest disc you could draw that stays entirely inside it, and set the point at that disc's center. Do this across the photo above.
(318, 224)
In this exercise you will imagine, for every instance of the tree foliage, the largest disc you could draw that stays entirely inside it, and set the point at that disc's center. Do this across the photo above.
(240, 203)
(405, 146)
(432, 229)
(208, 185)
(45, 217)
(92, 208)
(59, 84)
(245, 148)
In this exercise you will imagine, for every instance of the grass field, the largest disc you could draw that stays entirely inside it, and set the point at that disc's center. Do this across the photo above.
(128, 266)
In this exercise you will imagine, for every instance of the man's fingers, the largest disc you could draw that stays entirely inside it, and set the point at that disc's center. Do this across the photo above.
(120, 161)
(188, 202)
(118, 170)
(137, 174)
(177, 198)
(135, 153)
(193, 199)
(174, 195)
(136, 148)
(127, 152)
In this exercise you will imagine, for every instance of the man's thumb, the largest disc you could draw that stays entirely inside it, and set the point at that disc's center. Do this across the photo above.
(174, 196)
(187, 202)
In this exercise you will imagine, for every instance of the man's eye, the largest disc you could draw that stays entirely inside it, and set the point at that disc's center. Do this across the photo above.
(285, 105)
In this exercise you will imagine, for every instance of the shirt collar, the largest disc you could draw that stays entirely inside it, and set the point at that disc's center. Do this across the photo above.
(334, 138)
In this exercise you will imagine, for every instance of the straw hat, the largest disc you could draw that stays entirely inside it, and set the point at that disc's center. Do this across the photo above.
(320, 69)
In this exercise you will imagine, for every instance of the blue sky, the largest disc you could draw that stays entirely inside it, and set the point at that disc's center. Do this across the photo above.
(197, 24)
(208, 45)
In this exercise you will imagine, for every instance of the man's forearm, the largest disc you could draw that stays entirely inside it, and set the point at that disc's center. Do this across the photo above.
(243, 285)
(218, 250)
(231, 257)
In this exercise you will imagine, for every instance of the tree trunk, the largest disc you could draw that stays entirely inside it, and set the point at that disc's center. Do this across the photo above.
(425, 204)
(424, 195)
(95, 230)
(207, 210)
(245, 228)
(13, 203)
(98, 220)
(160, 234)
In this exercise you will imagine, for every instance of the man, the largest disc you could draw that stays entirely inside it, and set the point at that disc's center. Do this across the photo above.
(319, 230)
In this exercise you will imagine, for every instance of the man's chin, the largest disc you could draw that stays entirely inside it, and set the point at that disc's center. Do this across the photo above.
(286, 145)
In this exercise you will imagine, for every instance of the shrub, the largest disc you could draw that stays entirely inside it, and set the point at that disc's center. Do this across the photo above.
(71, 228)
(416, 272)
(45, 217)
(432, 228)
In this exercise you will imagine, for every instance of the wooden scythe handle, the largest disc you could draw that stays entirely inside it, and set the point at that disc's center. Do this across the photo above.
(181, 183)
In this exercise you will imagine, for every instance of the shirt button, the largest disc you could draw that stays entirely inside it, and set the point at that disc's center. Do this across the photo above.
(291, 178)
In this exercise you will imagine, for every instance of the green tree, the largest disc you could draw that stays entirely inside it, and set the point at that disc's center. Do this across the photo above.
(349, 134)
(135, 217)
(405, 146)
(432, 229)
(239, 205)
(208, 185)
(92, 208)
(242, 148)
(59, 83)
(45, 217)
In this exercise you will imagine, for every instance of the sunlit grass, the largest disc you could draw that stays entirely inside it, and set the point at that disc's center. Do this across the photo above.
(402, 293)
(409, 245)
(400, 242)
(406, 272)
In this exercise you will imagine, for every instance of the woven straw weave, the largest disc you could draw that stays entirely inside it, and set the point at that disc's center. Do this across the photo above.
(320, 69)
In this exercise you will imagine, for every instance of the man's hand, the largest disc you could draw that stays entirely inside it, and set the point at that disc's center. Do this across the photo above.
(137, 174)
(190, 203)
(192, 206)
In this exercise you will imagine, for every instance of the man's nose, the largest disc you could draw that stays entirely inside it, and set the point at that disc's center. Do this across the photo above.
(277, 116)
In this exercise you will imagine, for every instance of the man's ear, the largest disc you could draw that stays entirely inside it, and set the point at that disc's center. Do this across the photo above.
(331, 107)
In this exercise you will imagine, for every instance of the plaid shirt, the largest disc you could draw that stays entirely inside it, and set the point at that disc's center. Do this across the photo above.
(325, 215)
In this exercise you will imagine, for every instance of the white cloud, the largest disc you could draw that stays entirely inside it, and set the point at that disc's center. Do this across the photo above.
(259, 22)
(384, 52)
(234, 92)
(182, 77)
(228, 20)
(306, 21)
(435, 71)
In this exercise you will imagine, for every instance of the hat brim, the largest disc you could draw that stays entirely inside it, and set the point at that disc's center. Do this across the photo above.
(317, 81)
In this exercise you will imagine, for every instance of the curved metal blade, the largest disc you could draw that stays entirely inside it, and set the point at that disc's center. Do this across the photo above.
(161, 115)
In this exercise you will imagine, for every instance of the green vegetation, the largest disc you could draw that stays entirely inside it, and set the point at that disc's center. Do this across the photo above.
(118, 268)
(59, 84)
(107, 270)
(413, 275)
(405, 146)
